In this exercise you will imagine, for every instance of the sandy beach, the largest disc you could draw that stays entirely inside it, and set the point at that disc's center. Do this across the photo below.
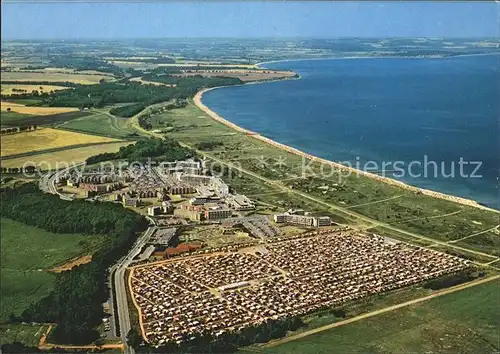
(198, 102)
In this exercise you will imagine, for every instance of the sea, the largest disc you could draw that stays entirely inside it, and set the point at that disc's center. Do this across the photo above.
(430, 122)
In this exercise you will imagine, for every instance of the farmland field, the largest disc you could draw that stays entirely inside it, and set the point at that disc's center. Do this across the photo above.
(69, 156)
(40, 111)
(26, 253)
(138, 79)
(13, 117)
(18, 119)
(7, 89)
(45, 138)
(86, 79)
(99, 123)
(466, 321)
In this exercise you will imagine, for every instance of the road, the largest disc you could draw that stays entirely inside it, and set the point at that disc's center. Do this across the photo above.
(117, 276)
(117, 271)
(381, 311)
(47, 183)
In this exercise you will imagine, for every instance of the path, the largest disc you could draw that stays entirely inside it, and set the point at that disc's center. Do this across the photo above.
(381, 311)
(475, 234)
(376, 201)
(426, 217)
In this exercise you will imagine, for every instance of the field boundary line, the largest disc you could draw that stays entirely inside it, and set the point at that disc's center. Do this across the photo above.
(475, 234)
(376, 201)
(62, 148)
(427, 217)
(381, 311)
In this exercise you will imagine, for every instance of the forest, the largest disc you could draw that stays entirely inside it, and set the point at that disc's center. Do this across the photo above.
(128, 110)
(83, 63)
(168, 149)
(75, 303)
(192, 82)
(134, 93)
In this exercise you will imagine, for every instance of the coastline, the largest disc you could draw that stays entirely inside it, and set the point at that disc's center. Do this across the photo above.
(261, 64)
(463, 201)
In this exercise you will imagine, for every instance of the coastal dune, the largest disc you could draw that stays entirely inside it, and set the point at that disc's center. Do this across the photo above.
(198, 102)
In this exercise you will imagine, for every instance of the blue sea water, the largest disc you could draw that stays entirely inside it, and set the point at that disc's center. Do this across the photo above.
(385, 110)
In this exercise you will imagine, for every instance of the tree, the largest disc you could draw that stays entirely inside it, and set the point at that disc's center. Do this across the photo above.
(134, 339)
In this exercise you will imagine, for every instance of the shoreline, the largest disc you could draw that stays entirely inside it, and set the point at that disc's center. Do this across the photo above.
(261, 64)
(198, 101)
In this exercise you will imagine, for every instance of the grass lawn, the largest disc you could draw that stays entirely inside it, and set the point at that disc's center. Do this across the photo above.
(28, 334)
(463, 322)
(99, 123)
(26, 253)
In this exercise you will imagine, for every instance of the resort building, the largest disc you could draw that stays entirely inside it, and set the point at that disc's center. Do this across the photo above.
(302, 220)
(154, 210)
(240, 202)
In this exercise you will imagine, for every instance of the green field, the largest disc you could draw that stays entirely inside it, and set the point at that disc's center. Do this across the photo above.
(12, 118)
(99, 123)
(27, 253)
(463, 322)
(28, 334)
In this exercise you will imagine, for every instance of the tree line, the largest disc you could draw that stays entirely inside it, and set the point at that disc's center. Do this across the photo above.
(128, 110)
(195, 82)
(14, 170)
(85, 63)
(75, 303)
(145, 119)
(228, 342)
(168, 149)
(18, 129)
(108, 93)
(209, 145)
(18, 348)
(453, 279)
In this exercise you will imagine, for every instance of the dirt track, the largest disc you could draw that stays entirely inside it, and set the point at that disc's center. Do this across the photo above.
(71, 263)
